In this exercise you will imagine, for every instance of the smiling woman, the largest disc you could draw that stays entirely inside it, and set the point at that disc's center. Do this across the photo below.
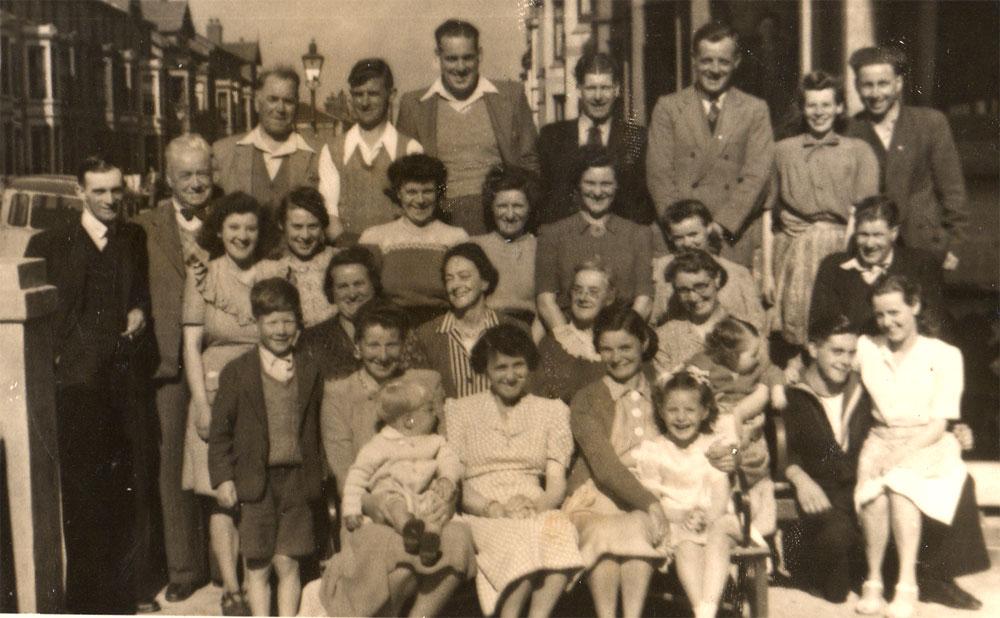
(302, 218)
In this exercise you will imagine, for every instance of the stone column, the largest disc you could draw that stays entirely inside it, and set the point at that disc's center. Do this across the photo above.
(28, 432)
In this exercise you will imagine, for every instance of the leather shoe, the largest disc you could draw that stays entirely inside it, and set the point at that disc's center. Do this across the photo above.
(179, 592)
(147, 607)
(949, 594)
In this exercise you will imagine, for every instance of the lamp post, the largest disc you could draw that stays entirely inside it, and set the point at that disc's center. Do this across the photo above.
(312, 62)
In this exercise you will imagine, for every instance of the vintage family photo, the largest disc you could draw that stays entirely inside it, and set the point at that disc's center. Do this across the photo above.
(500, 308)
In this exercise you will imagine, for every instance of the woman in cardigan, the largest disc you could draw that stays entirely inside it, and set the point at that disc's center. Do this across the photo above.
(626, 247)
(821, 175)
(568, 360)
(510, 196)
(621, 524)
(413, 246)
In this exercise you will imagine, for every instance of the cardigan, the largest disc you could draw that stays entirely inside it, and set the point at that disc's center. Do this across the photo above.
(592, 412)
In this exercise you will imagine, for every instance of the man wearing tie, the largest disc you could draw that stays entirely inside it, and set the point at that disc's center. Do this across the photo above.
(599, 124)
(101, 352)
(171, 229)
(713, 143)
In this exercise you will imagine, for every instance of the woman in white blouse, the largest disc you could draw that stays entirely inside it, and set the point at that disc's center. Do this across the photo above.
(909, 463)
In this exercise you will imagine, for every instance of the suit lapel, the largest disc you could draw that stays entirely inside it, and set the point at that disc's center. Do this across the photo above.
(696, 118)
(169, 237)
(728, 120)
(72, 276)
(306, 374)
(897, 159)
(255, 383)
(244, 154)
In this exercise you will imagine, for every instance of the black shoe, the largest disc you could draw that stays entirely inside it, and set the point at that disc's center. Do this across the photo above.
(947, 593)
(412, 531)
(430, 549)
(147, 607)
(180, 592)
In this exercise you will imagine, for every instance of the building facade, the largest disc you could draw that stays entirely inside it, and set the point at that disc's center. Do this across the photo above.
(120, 77)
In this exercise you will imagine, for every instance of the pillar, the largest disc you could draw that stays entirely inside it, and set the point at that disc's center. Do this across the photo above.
(859, 31)
(636, 100)
(805, 36)
(28, 432)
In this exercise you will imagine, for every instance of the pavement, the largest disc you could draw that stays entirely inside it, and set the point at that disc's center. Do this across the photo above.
(783, 602)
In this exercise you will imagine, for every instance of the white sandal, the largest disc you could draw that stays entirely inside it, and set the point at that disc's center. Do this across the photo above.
(904, 602)
(872, 601)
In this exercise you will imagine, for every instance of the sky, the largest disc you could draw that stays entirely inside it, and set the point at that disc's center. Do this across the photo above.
(400, 31)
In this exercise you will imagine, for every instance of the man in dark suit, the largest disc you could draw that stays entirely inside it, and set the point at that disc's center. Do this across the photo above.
(469, 122)
(845, 279)
(919, 163)
(171, 229)
(827, 418)
(102, 358)
(713, 142)
(599, 124)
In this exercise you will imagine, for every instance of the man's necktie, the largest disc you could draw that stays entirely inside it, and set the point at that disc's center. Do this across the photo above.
(594, 136)
(713, 116)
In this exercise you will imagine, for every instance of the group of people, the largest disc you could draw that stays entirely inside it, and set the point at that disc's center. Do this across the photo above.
(455, 348)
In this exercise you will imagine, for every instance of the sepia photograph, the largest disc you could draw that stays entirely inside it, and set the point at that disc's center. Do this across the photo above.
(500, 308)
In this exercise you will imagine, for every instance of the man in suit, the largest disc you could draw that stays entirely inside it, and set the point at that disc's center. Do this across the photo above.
(171, 230)
(597, 79)
(713, 143)
(273, 158)
(827, 418)
(99, 265)
(469, 122)
(845, 279)
(920, 168)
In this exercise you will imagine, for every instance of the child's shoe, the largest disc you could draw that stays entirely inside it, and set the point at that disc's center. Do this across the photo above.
(235, 604)
(413, 530)
(871, 602)
(430, 549)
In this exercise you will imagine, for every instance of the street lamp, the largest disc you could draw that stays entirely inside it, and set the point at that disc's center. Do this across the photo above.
(312, 62)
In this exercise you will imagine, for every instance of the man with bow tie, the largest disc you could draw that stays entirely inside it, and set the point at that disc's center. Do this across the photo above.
(600, 124)
(919, 163)
(713, 143)
(101, 352)
(171, 241)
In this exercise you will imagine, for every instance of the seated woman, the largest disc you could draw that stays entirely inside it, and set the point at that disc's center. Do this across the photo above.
(568, 360)
(689, 226)
(626, 247)
(373, 574)
(303, 219)
(510, 196)
(821, 176)
(445, 343)
(620, 522)
(909, 464)
(515, 448)
(413, 245)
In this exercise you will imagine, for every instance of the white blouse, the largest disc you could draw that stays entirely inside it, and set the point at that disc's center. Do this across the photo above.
(925, 384)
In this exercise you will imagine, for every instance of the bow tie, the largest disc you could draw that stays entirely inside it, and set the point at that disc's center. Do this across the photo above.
(190, 213)
(872, 273)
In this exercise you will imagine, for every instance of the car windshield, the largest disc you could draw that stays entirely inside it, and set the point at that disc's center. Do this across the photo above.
(50, 210)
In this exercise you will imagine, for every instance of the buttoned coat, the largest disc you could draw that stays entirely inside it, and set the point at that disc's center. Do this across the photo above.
(238, 444)
(510, 116)
(727, 171)
(922, 173)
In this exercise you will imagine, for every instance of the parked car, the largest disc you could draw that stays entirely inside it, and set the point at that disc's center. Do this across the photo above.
(31, 204)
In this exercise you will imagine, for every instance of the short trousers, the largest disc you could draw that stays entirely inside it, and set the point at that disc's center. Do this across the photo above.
(281, 522)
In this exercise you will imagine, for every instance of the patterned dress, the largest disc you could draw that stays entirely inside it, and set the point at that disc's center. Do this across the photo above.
(505, 457)
(218, 300)
(308, 279)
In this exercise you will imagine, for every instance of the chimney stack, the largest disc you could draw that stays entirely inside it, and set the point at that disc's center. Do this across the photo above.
(214, 30)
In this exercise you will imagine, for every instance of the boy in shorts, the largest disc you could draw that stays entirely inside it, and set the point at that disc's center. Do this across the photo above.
(264, 449)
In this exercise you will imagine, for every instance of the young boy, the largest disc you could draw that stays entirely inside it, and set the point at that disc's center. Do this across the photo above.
(264, 451)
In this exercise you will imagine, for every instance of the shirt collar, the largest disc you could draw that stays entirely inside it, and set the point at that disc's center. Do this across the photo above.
(830, 139)
(584, 122)
(450, 322)
(191, 226)
(368, 383)
(94, 227)
(855, 264)
(295, 142)
(619, 390)
(280, 368)
(387, 141)
(483, 87)
(585, 221)
(890, 117)
(391, 433)
(707, 103)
